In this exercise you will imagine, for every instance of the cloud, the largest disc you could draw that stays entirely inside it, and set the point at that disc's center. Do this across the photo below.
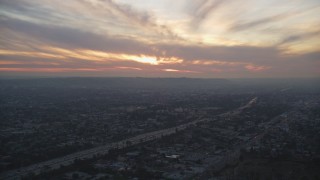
(84, 14)
(242, 26)
(299, 37)
(255, 68)
(126, 11)
(142, 19)
(71, 38)
(259, 22)
(221, 53)
(64, 47)
(202, 9)
(179, 71)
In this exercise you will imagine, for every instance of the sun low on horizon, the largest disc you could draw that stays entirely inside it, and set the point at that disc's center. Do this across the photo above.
(183, 38)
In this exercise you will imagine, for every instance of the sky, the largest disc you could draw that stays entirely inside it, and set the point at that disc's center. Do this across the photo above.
(160, 38)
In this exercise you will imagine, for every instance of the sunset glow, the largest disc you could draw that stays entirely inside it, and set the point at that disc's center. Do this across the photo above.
(210, 37)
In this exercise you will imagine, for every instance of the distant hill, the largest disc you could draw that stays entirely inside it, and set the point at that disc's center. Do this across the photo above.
(181, 84)
(93, 82)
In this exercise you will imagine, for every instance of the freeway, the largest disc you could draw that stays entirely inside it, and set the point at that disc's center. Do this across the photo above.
(102, 150)
(234, 154)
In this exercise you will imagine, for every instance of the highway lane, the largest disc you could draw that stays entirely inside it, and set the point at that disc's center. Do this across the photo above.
(102, 150)
(234, 154)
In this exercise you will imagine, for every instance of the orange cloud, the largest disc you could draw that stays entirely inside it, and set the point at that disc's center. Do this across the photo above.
(45, 69)
(86, 54)
(255, 68)
(215, 70)
(9, 62)
(131, 68)
(179, 71)
(215, 62)
(67, 69)
(248, 66)
(30, 54)
(92, 55)
(170, 70)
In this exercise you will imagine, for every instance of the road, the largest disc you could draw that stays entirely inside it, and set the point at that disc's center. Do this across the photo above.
(102, 150)
(234, 154)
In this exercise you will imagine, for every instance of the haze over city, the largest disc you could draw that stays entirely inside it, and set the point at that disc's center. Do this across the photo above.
(203, 38)
(160, 89)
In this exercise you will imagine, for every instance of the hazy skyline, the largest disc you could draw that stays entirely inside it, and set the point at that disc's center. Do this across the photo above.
(160, 38)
